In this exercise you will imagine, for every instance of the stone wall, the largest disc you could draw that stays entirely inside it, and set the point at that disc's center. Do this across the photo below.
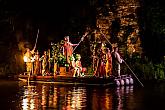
(119, 22)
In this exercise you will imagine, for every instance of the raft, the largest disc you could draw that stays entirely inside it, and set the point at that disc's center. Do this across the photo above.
(123, 80)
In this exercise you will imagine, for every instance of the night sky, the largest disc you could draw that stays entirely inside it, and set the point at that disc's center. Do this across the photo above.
(57, 18)
(54, 19)
(53, 14)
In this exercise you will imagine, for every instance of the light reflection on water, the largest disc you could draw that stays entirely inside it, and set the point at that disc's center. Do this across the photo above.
(55, 97)
(15, 96)
(124, 97)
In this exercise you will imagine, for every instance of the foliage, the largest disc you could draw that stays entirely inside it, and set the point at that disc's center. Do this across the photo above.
(159, 71)
(57, 55)
(61, 59)
(90, 70)
(146, 69)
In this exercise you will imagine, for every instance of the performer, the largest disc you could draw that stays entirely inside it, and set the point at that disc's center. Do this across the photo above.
(116, 60)
(108, 67)
(28, 59)
(44, 59)
(72, 65)
(37, 63)
(100, 70)
(78, 66)
(68, 49)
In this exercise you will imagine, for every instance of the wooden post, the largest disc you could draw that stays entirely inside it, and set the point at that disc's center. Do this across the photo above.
(32, 68)
(55, 65)
(49, 59)
(41, 67)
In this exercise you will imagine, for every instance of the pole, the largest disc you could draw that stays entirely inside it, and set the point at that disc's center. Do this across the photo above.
(126, 64)
(36, 39)
(32, 62)
(134, 74)
(82, 38)
(34, 50)
(49, 59)
(77, 44)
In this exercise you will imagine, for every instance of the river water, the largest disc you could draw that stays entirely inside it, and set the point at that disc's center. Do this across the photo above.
(16, 95)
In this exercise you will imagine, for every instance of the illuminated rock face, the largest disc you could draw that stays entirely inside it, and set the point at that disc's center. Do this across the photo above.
(119, 22)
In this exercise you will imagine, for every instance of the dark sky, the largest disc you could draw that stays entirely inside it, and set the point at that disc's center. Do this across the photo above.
(52, 11)
(55, 18)
(44, 11)
(59, 17)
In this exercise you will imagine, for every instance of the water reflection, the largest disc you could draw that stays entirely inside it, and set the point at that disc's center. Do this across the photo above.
(29, 99)
(50, 96)
(124, 97)
(76, 98)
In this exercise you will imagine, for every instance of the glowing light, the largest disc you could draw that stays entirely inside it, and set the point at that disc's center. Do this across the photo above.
(78, 98)
(25, 58)
(32, 104)
(25, 104)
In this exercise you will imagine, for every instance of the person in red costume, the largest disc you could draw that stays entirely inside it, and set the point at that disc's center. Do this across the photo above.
(68, 49)
(100, 68)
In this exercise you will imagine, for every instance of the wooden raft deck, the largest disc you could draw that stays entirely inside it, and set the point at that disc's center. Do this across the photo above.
(86, 80)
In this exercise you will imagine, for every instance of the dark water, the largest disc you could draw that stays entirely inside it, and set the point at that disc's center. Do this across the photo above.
(45, 96)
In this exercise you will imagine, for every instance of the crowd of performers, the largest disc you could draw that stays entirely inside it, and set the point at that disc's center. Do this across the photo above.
(40, 65)
(106, 62)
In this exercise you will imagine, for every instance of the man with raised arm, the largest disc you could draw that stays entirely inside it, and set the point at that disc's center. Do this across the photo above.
(28, 59)
(68, 49)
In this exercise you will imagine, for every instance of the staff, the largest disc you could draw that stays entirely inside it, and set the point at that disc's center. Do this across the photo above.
(35, 48)
(82, 38)
(26, 57)
(36, 39)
